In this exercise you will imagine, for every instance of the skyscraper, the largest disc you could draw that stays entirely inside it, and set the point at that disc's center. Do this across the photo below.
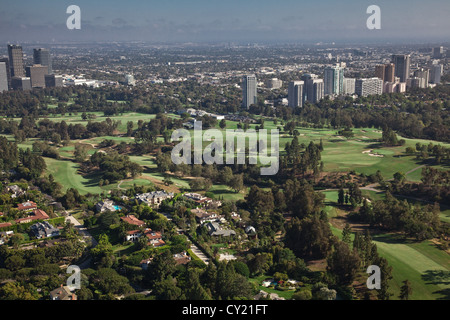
(380, 71)
(349, 85)
(333, 79)
(296, 94)
(3, 77)
(21, 83)
(53, 80)
(385, 72)
(8, 71)
(389, 72)
(16, 60)
(249, 87)
(402, 66)
(436, 73)
(423, 74)
(37, 74)
(438, 52)
(314, 88)
(366, 87)
(42, 56)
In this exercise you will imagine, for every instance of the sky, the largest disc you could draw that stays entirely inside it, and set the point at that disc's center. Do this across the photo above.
(251, 21)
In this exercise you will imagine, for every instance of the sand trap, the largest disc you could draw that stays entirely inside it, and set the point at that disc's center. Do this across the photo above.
(370, 152)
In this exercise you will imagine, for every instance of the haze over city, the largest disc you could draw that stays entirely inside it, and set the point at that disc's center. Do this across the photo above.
(215, 21)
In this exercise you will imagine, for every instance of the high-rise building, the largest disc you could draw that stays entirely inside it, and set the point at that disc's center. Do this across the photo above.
(385, 72)
(380, 71)
(438, 52)
(333, 79)
(436, 73)
(16, 60)
(53, 80)
(314, 88)
(389, 72)
(42, 56)
(369, 86)
(402, 66)
(349, 86)
(129, 80)
(249, 88)
(37, 74)
(21, 83)
(296, 94)
(3, 77)
(8, 70)
(423, 74)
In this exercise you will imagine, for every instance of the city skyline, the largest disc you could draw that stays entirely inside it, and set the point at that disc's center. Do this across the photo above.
(204, 21)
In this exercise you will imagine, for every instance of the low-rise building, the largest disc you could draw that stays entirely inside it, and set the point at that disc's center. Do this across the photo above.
(131, 219)
(215, 229)
(62, 293)
(44, 230)
(154, 198)
(27, 206)
(37, 214)
(106, 205)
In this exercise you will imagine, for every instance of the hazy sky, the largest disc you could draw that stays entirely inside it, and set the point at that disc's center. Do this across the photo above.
(224, 20)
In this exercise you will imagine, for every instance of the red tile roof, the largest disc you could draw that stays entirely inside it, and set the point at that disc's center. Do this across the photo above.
(6, 224)
(37, 215)
(131, 219)
(29, 205)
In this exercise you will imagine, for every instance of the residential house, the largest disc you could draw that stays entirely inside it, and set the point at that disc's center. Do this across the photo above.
(44, 230)
(4, 236)
(15, 190)
(131, 219)
(62, 293)
(154, 198)
(106, 205)
(5, 225)
(182, 258)
(203, 216)
(215, 229)
(133, 235)
(154, 238)
(36, 215)
(27, 206)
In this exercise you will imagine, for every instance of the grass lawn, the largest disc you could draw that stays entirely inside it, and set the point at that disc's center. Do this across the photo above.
(258, 281)
(422, 263)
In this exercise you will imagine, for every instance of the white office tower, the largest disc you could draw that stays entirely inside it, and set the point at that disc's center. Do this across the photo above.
(368, 86)
(3, 77)
(436, 73)
(349, 86)
(129, 80)
(296, 94)
(249, 88)
(333, 79)
(423, 74)
(314, 88)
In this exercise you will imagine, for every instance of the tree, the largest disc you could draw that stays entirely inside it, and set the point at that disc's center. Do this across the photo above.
(223, 124)
(343, 263)
(405, 290)
(346, 234)
(341, 196)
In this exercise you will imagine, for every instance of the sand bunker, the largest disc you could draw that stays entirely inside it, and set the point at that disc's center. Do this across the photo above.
(372, 154)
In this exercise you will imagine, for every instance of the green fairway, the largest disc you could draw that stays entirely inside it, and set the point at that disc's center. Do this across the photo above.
(424, 265)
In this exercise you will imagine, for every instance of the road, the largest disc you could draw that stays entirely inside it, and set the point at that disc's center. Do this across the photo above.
(83, 231)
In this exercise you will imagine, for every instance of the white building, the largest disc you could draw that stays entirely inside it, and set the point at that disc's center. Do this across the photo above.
(368, 86)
